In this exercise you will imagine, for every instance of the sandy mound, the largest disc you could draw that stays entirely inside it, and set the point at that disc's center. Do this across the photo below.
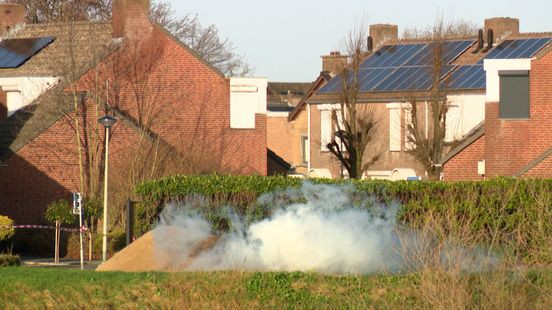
(149, 253)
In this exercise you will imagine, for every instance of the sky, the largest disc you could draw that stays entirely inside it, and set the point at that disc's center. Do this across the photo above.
(284, 39)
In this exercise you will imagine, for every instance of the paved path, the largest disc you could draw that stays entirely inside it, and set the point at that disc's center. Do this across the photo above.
(64, 263)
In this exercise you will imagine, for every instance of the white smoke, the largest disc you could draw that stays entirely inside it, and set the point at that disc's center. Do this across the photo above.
(334, 230)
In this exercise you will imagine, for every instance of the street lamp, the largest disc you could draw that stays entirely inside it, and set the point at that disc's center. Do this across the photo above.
(108, 122)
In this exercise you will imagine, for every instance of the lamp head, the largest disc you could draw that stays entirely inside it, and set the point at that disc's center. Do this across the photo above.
(107, 121)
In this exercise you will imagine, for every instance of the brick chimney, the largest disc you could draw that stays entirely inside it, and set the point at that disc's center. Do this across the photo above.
(130, 18)
(502, 27)
(383, 33)
(334, 63)
(12, 14)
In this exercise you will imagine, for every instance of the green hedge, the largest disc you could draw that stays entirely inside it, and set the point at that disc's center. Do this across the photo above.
(7, 260)
(507, 209)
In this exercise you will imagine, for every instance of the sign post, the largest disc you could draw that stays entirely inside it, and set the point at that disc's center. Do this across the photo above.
(77, 209)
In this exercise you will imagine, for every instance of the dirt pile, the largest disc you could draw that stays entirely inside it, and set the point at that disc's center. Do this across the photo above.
(144, 255)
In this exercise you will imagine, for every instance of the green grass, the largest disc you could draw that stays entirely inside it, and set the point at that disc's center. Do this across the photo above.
(32, 288)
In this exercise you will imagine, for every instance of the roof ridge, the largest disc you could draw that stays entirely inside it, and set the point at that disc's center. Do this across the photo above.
(428, 40)
(525, 34)
(80, 22)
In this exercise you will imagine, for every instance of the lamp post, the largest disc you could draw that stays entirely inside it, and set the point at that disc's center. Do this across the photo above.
(108, 122)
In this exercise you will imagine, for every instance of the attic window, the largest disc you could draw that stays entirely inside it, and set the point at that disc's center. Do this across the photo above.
(514, 94)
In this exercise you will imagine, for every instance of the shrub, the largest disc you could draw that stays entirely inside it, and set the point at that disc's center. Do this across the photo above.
(61, 211)
(7, 230)
(7, 260)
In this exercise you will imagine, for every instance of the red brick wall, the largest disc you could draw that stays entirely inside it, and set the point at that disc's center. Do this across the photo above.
(191, 112)
(511, 144)
(463, 166)
(186, 102)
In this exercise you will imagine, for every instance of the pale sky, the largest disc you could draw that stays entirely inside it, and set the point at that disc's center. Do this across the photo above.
(284, 39)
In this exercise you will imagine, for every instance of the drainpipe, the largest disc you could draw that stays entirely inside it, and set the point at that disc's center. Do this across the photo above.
(426, 120)
(309, 137)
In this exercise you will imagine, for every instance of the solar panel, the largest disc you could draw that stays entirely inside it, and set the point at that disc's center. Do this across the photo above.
(451, 50)
(392, 56)
(15, 52)
(467, 77)
(370, 78)
(411, 78)
(514, 49)
(405, 67)
(332, 86)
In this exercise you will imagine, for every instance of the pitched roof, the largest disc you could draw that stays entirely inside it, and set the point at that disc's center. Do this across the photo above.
(79, 42)
(323, 78)
(27, 123)
(400, 68)
(284, 95)
(283, 88)
(271, 154)
(94, 42)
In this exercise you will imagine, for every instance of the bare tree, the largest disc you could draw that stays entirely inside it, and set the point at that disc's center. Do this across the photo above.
(204, 41)
(454, 29)
(41, 11)
(427, 142)
(355, 123)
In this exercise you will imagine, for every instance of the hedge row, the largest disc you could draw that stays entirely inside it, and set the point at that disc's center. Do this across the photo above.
(504, 208)
(7, 260)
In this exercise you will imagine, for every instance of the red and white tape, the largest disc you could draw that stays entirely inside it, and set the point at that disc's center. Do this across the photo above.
(83, 229)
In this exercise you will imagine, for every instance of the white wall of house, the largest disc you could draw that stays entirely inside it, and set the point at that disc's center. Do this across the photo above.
(247, 98)
(465, 113)
(22, 91)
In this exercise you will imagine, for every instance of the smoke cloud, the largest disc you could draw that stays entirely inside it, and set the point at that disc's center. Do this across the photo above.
(332, 230)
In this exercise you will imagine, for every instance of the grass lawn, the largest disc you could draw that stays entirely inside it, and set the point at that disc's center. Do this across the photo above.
(31, 288)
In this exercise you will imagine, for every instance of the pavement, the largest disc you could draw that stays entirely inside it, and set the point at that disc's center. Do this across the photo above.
(63, 263)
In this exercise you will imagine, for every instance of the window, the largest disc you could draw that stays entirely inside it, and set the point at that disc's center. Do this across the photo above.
(395, 129)
(325, 129)
(305, 149)
(514, 94)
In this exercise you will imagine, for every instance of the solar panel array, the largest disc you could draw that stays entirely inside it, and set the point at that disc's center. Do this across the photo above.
(474, 76)
(15, 52)
(514, 49)
(467, 77)
(402, 67)
(407, 67)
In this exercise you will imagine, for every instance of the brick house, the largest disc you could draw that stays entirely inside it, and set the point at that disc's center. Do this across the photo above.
(282, 98)
(287, 126)
(174, 110)
(516, 137)
(394, 71)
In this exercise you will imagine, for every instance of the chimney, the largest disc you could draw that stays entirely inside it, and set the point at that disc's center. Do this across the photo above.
(130, 18)
(334, 63)
(369, 44)
(383, 33)
(502, 27)
(12, 14)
